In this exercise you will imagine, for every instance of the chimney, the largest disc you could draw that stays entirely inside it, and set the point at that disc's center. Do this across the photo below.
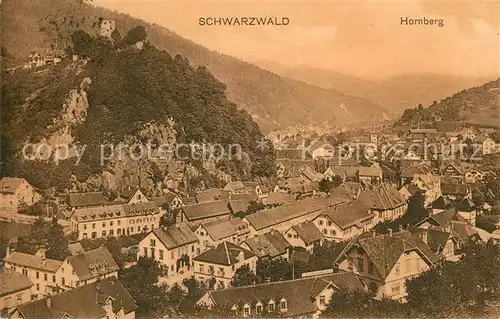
(374, 233)
(48, 301)
(423, 236)
(43, 261)
(390, 232)
(400, 228)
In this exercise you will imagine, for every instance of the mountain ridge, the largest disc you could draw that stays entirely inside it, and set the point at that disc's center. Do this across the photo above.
(395, 93)
(273, 101)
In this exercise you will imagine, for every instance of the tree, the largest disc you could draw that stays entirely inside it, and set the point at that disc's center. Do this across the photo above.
(273, 270)
(243, 277)
(325, 185)
(346, 303)
(416, 209)
(82, 42)
(195, 290)
(141, 281)
(57, 243)
(135, 35)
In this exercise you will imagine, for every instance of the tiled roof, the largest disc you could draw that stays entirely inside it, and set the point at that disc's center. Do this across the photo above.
(93, 263)
(385, 250)
(211, 194)
(277, 215)
(75, 248)
(300, 293)
(206, 210)
(113, 211)
(236, 206)
(370, 171)
(226, 253)
(443, 218)
(349, 214)
(308, 232)
(279, 198)
(9, 185)
(83, 302)
(86, 199)
(11, 282)
(270, 244)
(382, 197)
(236, 186)
(454, 189)
(225, 228)
(436, 238)
(175, 235)
(32, 261)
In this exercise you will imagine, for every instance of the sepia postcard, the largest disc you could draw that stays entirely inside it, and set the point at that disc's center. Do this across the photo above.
(249, 159)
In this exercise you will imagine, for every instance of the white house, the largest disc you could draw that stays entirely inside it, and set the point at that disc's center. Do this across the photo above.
(218, 265)
(174, 247)
(16, 191)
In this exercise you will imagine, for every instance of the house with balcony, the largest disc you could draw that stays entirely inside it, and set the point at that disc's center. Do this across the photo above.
(385, 262)
(173, 247)
(218, 265)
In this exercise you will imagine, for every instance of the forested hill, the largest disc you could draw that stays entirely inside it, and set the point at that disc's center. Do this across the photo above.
(119, 92)
(272, 100)
(477, 105)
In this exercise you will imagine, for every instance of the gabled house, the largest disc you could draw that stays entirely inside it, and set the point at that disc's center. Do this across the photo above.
(467, 209)
(385, 201)
(305, 235)
(106, 298)
(235, 187)
(440, 219)
(345, 221)
(173, 247)
(15, 289)
(271, 245)
(131, 195)
(213, 233)
(370, 175)
(299, 298)
(85, 268)
(442, 243)
(385, 262)
(40, 270)
(220, 263)
(454, 191)
(15, 192)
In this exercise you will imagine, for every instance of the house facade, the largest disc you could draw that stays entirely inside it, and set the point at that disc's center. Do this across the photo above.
(115, 220)
(15, 192)
(218, 265)
(385, 274)
(14, 290)
(213, 233)
(174, 247)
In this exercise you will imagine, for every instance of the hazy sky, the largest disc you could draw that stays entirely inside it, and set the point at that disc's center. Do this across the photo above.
(363, 38)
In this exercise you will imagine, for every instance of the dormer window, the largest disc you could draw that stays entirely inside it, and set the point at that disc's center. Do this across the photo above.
(246, 310)
(283, 305)
(258, 308)
(271, 306)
